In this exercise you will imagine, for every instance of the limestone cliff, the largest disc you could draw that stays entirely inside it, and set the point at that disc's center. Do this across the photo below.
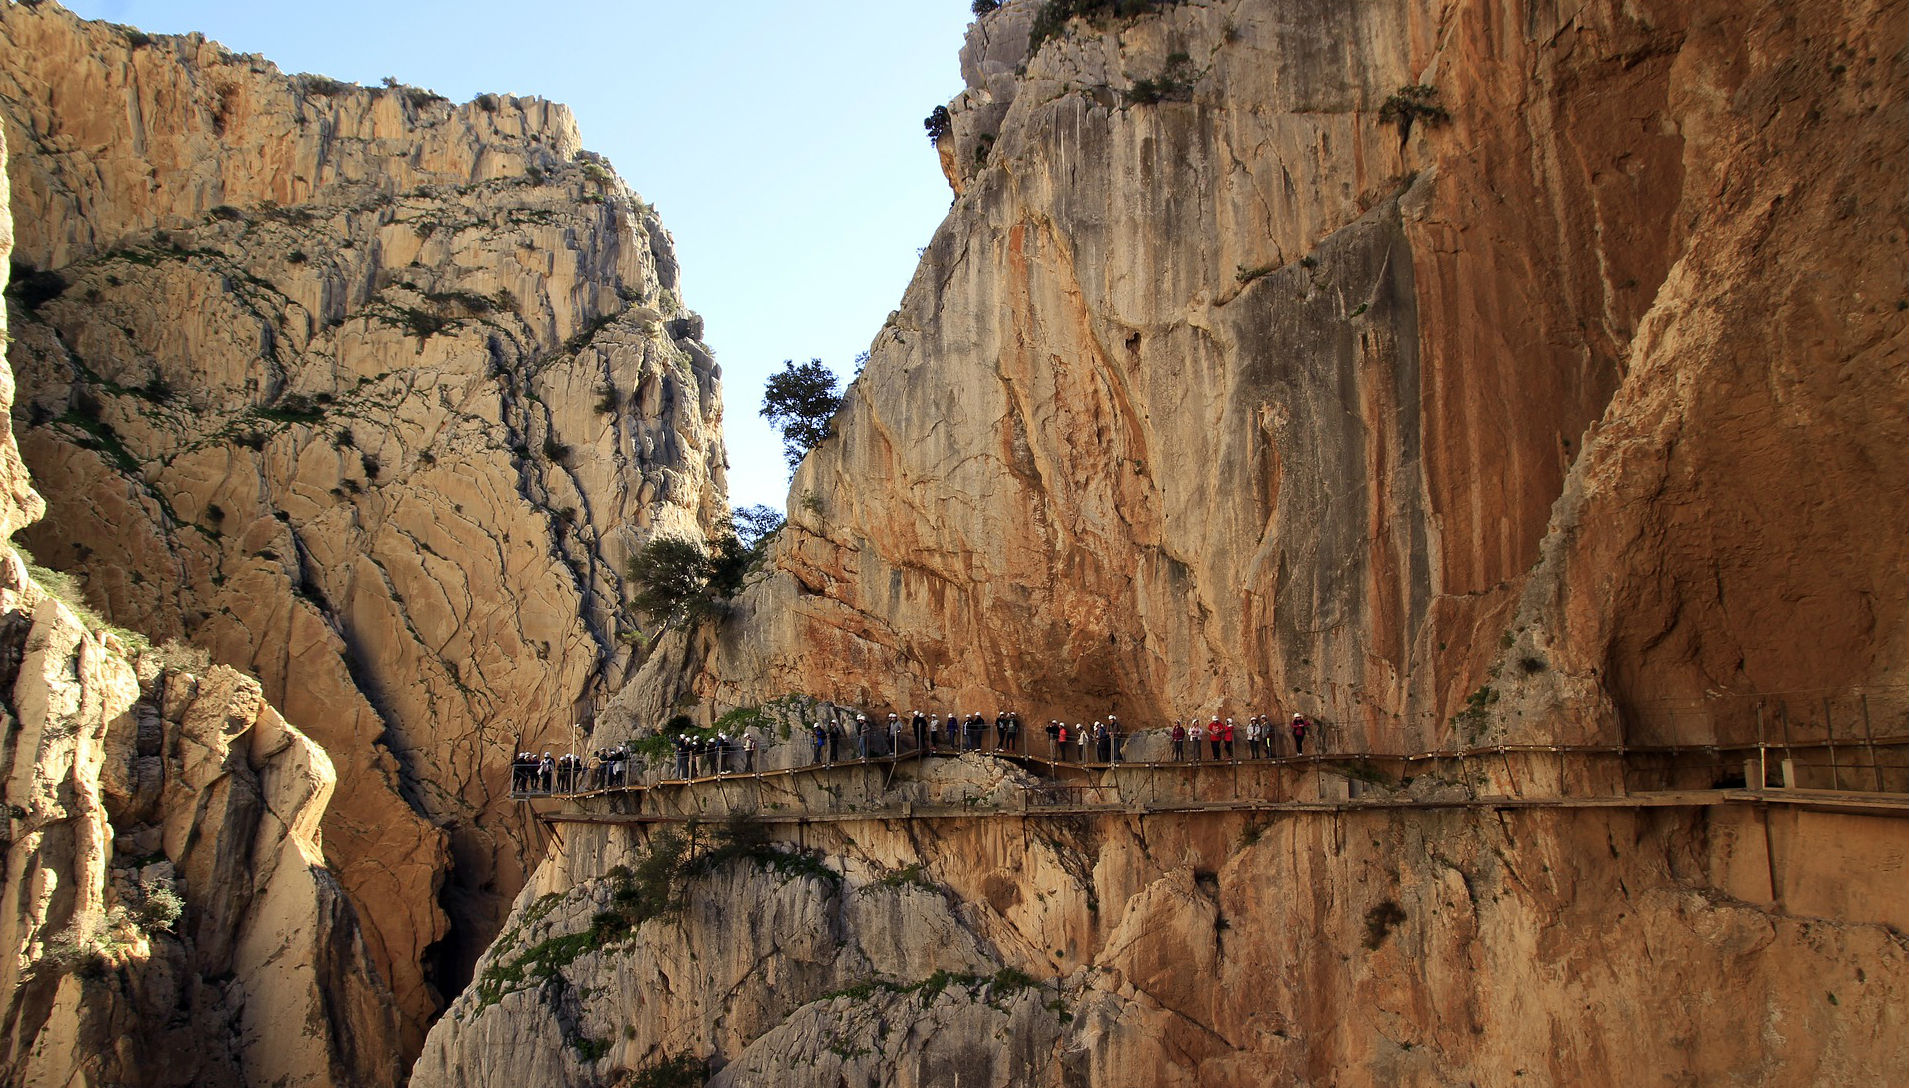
(1265, 343)
(368, 393)
(166, 916)
(1447, 369)
(1463, 946)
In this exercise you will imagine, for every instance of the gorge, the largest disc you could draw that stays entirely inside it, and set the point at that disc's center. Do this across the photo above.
(1472, 376)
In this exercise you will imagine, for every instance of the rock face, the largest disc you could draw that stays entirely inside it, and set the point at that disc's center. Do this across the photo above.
(165, 909)
(1225, 386)
(368, 393)
(1554, 403)
(1353, 948)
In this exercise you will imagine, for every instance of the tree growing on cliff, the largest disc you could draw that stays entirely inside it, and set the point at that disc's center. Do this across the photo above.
(679, 580)
(938, 123)
(801, 401)
(755, 524)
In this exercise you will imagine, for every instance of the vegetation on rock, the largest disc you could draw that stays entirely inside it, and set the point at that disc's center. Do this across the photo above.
(1055, 14)
(1411, 104)
(800, 401)
(938, 123)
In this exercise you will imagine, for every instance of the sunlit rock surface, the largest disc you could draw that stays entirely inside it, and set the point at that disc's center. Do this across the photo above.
(369, 393)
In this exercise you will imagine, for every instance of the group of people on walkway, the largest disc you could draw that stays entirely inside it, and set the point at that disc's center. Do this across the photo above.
(923, 732)
(1262, 737)
(839, 733)
(698, 756)
(605, 768)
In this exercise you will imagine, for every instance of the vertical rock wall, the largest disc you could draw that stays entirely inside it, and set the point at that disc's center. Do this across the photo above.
(166, 914)
(1222, 388)
(371, 395)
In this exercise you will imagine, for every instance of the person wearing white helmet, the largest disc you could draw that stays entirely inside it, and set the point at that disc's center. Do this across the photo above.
(1299, 727)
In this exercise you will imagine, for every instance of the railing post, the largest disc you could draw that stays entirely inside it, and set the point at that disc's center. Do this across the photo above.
(1789, 756)
(1869, 739)
(1763, 752)
(1829, 732)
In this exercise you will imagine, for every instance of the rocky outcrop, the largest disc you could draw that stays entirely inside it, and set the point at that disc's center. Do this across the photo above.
(368, 393)
(166, 914)
(1246, 375)
(166, 909)
(20, 505)
(1354, 948)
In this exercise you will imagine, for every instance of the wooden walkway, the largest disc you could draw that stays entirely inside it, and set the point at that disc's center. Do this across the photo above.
(1077, 789)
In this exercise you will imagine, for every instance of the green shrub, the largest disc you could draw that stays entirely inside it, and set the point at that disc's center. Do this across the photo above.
(294, 408)
(682, 1071)
(938, 123)
(1414, 103)
(321, 86)
(1056, 14)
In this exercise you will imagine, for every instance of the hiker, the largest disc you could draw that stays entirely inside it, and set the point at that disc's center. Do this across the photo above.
(861, 736)
(894, 734)
(1213, 735)
(749, 752)
(1060, 751)
(821, 739)
(1103, 748)
(976, 724)
(954, 732)
(1053, 732)
(1226, 732)
(835, 738)
(1080, 743)
(1179, 740)
(1196, 733)
(1299, 727)
(1113, 739)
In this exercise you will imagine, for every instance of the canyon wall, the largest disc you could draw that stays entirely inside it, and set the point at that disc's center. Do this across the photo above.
(1244, 377)
(368, 393)
(166, 914)
(1468, 945)
(1454, 371)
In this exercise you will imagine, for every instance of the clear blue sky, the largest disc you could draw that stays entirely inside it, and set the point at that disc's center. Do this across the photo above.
(781, 141)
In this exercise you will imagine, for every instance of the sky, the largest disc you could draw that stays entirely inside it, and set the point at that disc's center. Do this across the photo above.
(780, 140)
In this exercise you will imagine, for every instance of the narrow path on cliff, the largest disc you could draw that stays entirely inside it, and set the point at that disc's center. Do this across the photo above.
(982, 783)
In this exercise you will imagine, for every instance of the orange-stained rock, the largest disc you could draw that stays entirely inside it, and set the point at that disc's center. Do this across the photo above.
(1216, 392)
